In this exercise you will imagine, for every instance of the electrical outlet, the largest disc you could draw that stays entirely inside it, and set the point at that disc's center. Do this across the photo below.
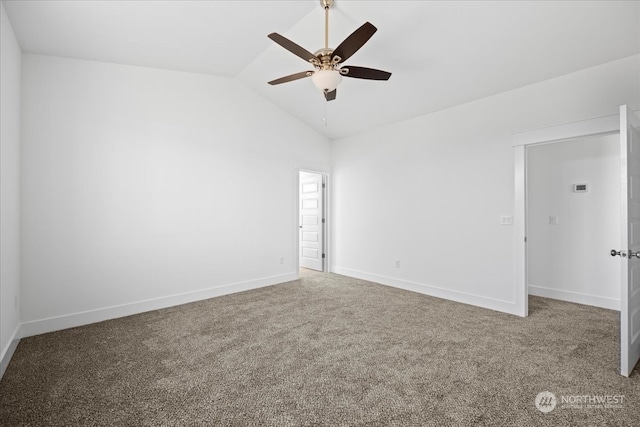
(506, 220)
(397, 263)
(553, 220)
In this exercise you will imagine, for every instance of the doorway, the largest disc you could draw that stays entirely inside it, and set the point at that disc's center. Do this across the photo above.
(573, 220)
(606, 125)
(312, 220)
(627, 125)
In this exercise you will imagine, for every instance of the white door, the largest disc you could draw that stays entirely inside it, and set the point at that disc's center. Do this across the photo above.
(629, 240)
(311, 221)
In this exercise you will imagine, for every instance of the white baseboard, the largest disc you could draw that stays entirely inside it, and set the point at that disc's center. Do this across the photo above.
(7, 352)
(577, 297)
(36, 327)
(435, 291)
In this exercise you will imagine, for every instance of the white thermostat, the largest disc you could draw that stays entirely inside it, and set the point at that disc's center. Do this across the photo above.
(580, 188)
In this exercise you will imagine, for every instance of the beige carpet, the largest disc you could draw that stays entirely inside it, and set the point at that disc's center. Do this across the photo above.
(324, 350)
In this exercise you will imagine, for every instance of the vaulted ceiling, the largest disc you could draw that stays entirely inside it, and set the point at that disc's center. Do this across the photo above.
(441, 53)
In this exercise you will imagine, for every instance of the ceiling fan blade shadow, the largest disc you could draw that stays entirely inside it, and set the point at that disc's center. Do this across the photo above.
(291, 77)
(365, 73)
(293, 47)
(330, 96)
(354, 42)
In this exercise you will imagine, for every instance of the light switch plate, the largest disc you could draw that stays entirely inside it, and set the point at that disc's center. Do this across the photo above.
(506, 220)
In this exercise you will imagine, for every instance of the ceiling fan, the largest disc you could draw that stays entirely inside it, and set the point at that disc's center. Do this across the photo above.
(328, 62)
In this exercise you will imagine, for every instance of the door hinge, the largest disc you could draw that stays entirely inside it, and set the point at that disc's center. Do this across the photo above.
(323, 220)
(322, 255)
(525, 239)
(323, 185)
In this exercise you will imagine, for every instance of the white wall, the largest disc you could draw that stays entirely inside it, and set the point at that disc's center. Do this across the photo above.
(144, 188)
(430, 191)
(570, 260)
(9, 190)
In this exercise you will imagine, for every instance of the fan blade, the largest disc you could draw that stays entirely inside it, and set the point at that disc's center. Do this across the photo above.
(292, 47)
(365, 73)
(291, 77)
(330, 96)
(354, 42)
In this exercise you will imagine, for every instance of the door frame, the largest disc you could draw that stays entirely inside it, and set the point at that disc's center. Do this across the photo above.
(599, 126)
(325, 212)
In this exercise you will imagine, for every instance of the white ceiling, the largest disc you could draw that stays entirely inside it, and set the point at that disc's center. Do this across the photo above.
(441, 53)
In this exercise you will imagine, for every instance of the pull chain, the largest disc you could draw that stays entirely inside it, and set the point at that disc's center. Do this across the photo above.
(327, 6)
(324, 118)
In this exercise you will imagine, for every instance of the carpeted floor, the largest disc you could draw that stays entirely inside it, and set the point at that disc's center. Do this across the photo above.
(324, 350)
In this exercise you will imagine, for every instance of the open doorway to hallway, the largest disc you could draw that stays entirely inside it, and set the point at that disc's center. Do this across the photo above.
(573, 220)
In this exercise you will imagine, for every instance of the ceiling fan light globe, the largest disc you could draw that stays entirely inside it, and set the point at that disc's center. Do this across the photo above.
(326, 80)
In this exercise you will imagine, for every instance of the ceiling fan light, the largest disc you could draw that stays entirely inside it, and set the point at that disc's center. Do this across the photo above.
(326, 80)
